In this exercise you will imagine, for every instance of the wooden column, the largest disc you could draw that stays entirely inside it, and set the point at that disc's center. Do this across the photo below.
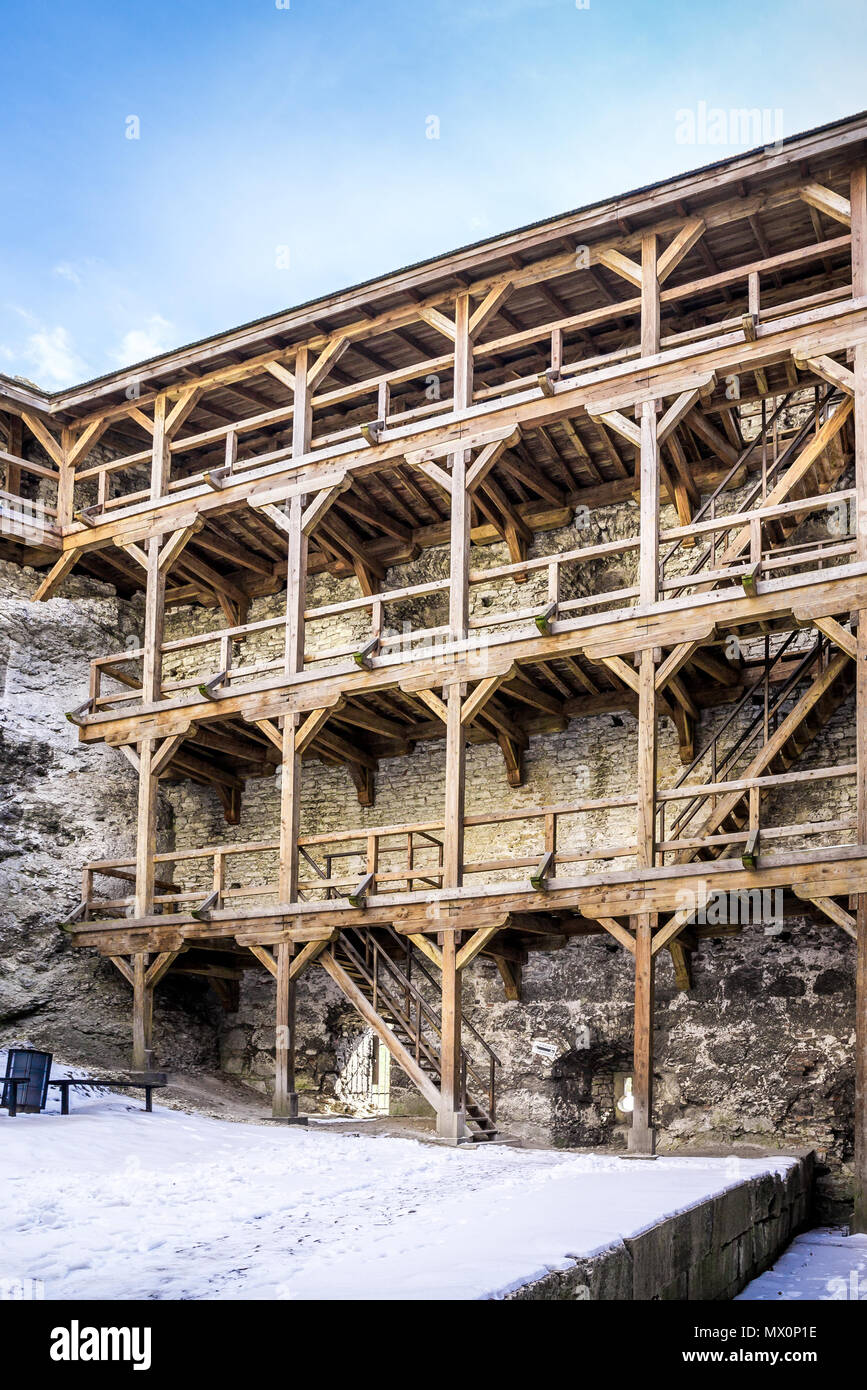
(160, 455)
(649, 297)
(641, 1136)
(16, 446)
(453, 853)
(152, 641)
(858, 192)
(66, 481)
(456, 759)
(142, 1014)
(285, 1104)
(290, 777)
(459, 600)
(450, 1121)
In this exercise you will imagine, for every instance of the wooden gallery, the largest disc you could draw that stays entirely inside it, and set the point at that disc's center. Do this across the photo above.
(502, 616)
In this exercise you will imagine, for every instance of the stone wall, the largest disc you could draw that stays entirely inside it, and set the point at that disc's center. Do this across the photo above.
(710, 1251)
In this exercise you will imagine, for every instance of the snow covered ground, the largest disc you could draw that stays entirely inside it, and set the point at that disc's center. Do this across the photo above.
(822, 1264)
(109, 1202)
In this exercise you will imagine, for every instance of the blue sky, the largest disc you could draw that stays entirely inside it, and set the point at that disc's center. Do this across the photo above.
(285, 152)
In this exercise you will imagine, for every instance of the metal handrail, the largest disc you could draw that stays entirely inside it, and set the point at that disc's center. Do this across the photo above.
(757, 487)
(746, 736)
(369, 964)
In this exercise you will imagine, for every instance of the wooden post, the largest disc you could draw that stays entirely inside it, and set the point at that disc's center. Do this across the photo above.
(66, 481)
(459, 605)
(161, 455)
(285, 1097)
(459, 596)
(456, 758)
(142, 1014)
(285, 1104)
(152, 642)
(649, 297)
(641, 1135)
(16, 446)
(451, 1123)
(450, 1120)
(642, 1139)
(858, 192)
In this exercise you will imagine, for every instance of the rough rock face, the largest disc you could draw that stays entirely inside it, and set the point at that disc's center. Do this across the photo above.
(62, 804)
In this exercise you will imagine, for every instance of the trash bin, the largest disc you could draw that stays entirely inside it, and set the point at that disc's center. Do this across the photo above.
(34, 1067)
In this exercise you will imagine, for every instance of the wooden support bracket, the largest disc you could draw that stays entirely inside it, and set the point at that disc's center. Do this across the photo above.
(363, 657)
(202, 913)
(750, 851)
(544, 619)
(76, 716)
(542, 872)
(76, 914)
(209, 688)
(358, 896)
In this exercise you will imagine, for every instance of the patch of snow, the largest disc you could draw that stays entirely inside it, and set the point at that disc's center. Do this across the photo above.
(110, 1202)
(822, 1264)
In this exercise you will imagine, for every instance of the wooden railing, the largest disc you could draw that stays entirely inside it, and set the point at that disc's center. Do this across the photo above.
(185, 477)
(408, 858)
(219, 648)
(30, 519)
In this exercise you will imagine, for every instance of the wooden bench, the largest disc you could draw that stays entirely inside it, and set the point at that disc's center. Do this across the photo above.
(65, 1082)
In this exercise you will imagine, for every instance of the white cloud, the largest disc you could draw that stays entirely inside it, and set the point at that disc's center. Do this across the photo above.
(140, 343)
(67, 272)
(53, 358)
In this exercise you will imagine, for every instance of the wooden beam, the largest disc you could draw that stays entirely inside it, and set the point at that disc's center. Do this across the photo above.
(327, 359)
(830, 203)
(618, 422)
(55, 576)
(427, 947)
(836, 914)
(176, 544)
(266, 956)
(680, 246)
(308, 954)
(322, 503)
(620, 264)
(475, 703)
(846, 641)
(477, 943)
(828, 370)
(313, 725)
(489, 306)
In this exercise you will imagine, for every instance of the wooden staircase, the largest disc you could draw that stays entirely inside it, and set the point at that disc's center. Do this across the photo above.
(364, 964)
(782, 735)
(811, 464)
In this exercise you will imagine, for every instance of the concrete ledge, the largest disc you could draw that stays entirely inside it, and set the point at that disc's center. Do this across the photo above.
(710, 1251)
